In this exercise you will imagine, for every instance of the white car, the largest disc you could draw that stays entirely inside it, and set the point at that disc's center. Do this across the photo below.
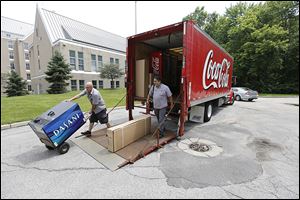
(243, 93)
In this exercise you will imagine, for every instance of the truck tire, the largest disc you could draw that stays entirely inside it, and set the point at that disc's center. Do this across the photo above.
(63, 148)
(208, 111)
(238, 97)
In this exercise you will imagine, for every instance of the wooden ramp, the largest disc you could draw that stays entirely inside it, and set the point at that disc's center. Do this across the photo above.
(96, 146)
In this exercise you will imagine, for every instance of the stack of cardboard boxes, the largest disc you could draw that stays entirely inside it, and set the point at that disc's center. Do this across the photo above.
(122, 135)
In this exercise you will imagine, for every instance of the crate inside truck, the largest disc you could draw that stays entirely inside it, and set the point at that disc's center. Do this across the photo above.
(196, 68)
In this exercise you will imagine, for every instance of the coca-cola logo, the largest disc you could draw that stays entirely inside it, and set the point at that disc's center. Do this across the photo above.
(155, 64)
(215, 74)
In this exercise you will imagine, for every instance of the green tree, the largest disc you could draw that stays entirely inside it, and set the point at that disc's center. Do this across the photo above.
(16, 86)
(263, 39)
(57, 74)
(199, 16)
(111, 71)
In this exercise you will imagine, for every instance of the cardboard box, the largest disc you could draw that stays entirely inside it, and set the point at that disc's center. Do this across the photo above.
(123, 134)
(142, 78)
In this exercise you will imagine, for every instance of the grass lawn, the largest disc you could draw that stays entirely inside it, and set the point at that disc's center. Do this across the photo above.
(276, 95)
(23, 108)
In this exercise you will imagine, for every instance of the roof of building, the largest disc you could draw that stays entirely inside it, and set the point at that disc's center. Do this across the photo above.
(17, 28)
(61, 27)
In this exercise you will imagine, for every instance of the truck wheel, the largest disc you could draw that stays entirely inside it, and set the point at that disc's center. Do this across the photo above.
(207, 112)
(238, 97)
(63, 148)
(49, 148)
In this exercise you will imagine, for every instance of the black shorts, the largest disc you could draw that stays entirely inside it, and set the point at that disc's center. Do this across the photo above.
(101, 116)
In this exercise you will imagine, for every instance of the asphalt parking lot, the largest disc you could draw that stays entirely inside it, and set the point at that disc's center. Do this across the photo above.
(258, 158)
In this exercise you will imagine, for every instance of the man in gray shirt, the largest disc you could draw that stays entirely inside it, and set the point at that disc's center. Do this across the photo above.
(160, 93)
(98, 110)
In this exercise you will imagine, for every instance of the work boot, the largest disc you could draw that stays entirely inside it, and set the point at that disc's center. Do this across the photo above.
(87, 133)
(108, 125)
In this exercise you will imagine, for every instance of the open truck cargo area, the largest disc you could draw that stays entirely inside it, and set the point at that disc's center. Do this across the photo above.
(197, 70)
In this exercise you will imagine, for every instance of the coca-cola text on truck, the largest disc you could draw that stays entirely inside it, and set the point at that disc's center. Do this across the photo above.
(196, 68)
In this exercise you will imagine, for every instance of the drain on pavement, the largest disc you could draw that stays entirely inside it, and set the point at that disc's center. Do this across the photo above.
(200, 147)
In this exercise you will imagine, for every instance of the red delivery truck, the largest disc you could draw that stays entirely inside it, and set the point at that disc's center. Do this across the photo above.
(196, 68)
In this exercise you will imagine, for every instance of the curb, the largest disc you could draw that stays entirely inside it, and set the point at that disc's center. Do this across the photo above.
(14, 125)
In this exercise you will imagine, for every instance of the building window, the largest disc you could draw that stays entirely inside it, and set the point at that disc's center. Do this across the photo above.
(117, 84)
(11, 55)
(25, 45)
(36, 32)
(94, 83)
(72, 59)
(111, 60)
(38, 50)
(12, 65)
(94, 63)
(117, 61)
(28, 77)
(26, 56)
(112, 84)
(10, 44)
(39, 63)
(80, 61)
(81, 84)
(73, 84)
(27, 66)
(100, 62)
(29, 87)
(101, 84)
(8, 35)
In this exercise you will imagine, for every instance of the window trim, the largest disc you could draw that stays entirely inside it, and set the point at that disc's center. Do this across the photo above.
(81, 88)
(81, 68)
(76, 88)
(73, 65)
(93, 67)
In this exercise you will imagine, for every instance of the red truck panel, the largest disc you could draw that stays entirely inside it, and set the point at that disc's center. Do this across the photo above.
(208, 67)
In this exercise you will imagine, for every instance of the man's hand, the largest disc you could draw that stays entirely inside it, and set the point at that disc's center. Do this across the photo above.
(67, 100)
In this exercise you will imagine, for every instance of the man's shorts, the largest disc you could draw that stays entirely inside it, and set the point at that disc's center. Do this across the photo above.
(101, 116)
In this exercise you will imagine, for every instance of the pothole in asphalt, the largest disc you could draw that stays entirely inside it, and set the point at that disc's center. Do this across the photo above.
(200, 147)
(263, 147)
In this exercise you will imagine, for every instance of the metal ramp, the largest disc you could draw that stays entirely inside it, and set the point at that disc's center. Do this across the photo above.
(96, 146)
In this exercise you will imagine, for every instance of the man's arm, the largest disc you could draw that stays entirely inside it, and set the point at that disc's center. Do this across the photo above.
(150, 93)
(171, 101)
(169, 95)
(93, 108)
(77, 96)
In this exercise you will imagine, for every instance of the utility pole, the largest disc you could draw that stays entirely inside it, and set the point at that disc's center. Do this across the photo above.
(135, 18)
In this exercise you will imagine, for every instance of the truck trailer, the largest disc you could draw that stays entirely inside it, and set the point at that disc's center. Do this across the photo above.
(196, 68)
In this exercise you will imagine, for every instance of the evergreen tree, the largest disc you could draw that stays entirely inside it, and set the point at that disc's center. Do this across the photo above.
(58, 73)
(16, 86)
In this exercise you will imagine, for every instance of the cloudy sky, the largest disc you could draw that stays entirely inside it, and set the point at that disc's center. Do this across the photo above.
(113, 16)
